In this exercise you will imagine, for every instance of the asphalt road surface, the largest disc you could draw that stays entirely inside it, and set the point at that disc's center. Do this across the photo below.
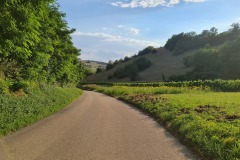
(94, 127)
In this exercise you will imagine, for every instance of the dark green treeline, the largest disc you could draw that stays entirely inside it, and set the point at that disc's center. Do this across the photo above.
(35, 44)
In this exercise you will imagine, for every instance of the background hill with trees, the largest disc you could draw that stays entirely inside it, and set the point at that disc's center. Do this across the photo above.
(185, 56)
(210, 62)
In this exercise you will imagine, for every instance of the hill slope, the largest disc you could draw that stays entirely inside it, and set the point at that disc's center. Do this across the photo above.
(163, 63)
(209, 55)
(93, 65)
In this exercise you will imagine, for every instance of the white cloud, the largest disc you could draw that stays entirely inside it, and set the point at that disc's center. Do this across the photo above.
(140, 3)
(114, 38)
(151, 3)
(105, 47)
(173, 2)
(133, 31)
(194, 1)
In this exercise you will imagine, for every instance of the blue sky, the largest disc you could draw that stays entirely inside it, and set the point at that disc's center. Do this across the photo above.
(112, 29)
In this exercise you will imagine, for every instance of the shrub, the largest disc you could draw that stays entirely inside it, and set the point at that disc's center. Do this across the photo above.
(142, 63)
(99, 70)
(131, 70)
(3, 87)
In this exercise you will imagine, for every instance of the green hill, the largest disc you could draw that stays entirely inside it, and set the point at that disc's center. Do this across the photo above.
(93, 65)
(163, 63)
(185, 56)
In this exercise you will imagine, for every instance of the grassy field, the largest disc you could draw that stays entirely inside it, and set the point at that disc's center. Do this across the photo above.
(19, 109)
(206, 120)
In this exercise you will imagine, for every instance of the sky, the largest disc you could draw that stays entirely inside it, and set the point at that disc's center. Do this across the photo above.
(112, 29)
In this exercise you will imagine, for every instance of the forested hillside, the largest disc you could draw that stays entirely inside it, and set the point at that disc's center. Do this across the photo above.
(209, 62)
(36, 46)
(183, 42)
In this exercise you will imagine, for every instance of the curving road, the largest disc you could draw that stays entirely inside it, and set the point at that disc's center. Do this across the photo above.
(94, 127)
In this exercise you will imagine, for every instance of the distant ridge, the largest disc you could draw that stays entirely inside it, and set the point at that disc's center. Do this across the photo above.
(98, 62)
(163, 64)
(92, 66)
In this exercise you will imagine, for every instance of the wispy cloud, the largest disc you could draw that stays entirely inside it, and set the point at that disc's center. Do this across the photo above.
(140, 3)
(132, 30)
(115, 38)
(151, 3)
(103, 46)
(173, 2)
(194, 1)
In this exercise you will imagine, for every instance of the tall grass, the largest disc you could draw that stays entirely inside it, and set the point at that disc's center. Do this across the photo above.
(214, 85)
(123, 90)
(22, 108)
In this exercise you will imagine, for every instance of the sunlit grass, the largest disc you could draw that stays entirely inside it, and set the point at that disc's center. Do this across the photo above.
(123, 90)
(229, 101)
(17, 111)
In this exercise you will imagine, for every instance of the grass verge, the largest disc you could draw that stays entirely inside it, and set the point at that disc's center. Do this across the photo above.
(19, 109)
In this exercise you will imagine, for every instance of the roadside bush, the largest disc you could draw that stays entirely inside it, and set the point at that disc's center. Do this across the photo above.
(19, 85)
(3, 87)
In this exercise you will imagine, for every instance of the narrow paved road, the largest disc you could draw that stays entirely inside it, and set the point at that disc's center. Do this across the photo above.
(93, 127)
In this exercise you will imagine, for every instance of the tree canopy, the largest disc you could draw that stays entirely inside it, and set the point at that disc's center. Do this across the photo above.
(210, 63)
(35, 43)
(183, 42)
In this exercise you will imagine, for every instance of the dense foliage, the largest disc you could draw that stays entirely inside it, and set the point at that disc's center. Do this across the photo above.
(35, 44)
(145, 51)
(212, 63)
(183, 42)
(36, 57)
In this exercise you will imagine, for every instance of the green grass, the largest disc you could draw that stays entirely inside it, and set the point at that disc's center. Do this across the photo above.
(17, 110)
(122, 90)
(213, 85)
(208, 121)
